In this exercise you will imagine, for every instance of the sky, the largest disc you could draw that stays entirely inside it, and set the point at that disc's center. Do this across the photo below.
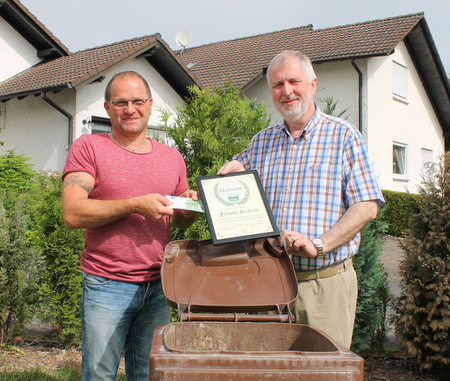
(84, 24)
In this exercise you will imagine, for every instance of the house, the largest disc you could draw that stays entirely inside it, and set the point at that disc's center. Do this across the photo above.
(386, 73)
(50, 96)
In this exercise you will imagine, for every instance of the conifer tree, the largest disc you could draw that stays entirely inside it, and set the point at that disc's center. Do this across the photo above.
(373, 291)
(16, 174)
(19, 263)
(423, 313)
(61, 280)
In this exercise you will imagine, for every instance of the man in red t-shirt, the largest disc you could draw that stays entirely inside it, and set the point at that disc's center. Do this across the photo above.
(113, 187)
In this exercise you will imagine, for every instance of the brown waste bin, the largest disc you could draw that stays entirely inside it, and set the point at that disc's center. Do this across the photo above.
(222, 294)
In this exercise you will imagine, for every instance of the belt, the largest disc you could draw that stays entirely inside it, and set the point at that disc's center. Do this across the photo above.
(325, 272)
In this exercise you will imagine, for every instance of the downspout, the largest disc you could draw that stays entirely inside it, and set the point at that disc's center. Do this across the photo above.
(65, 113)
(360, 95)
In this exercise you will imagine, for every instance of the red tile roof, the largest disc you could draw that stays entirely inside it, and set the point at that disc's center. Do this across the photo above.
(246, 58)
(77, 68)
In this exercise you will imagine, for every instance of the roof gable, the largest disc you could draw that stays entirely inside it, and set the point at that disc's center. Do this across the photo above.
(89, 65)
(246, 59)
(431, 71)
(214, 62)
(32, 30)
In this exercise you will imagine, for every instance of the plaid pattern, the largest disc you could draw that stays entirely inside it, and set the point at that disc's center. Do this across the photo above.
(311, 181)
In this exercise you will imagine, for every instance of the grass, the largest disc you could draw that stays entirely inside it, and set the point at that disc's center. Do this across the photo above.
(36, 374)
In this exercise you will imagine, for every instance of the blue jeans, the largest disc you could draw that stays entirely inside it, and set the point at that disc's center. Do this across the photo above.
(119, 316)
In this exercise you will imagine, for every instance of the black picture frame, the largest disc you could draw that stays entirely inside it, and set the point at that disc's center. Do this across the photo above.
(236, 207)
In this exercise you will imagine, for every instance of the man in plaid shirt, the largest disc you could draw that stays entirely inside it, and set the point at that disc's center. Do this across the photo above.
(322, 190)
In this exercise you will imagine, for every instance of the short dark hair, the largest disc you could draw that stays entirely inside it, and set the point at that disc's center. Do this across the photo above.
(123, 74)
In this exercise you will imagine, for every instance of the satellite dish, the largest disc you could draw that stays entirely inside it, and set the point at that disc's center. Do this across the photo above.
(182, 38)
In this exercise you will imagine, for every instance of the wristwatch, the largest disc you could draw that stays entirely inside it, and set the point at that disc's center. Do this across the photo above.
(319, 246)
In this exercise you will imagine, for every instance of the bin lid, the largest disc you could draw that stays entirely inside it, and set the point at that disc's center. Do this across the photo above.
(231, 282)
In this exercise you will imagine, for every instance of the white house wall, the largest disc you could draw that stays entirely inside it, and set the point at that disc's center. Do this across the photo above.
(412, 123)
(385, 120)
(261, 92)
(338, 80)
(36, 129)
(15, 52)
(90, 98)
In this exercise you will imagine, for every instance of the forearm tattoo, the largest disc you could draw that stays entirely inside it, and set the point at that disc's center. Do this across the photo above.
(76, 180)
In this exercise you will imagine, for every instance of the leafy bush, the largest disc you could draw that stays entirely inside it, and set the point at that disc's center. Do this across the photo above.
(19, 263)
(15, 176)
(215, 125)
(208, 130)
(423, 313)
(397, 211)
(39, 256)
(60, 288)
(19, 268)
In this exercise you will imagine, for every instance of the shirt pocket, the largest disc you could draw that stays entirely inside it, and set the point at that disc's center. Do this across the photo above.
(324, 181)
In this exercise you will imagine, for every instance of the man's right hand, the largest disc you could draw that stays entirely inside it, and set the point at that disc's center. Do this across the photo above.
(231, 166)
(153, 206)
(79, 211)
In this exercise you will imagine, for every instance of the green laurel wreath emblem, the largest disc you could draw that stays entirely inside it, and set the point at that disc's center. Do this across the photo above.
(228, 203)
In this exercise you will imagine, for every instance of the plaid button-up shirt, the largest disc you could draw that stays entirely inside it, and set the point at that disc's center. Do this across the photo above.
(312, 180)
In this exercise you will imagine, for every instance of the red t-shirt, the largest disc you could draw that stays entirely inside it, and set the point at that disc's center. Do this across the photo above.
(130, 249)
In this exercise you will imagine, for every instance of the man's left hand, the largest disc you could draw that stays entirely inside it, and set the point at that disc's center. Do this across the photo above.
(297, 244)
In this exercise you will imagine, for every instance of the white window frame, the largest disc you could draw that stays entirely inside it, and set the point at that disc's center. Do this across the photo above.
(426, 156)
(399, 161)
(399, 81)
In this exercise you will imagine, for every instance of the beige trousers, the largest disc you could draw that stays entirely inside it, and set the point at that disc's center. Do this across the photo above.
(329, 304)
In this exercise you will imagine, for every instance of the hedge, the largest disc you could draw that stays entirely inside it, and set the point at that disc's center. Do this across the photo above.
(398, 211)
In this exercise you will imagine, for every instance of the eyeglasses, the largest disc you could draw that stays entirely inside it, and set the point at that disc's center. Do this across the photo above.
(123, 104)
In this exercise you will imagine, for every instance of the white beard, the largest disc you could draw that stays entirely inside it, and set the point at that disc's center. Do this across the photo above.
(296, 112)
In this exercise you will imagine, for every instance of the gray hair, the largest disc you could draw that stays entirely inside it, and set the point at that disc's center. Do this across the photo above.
(302, 58)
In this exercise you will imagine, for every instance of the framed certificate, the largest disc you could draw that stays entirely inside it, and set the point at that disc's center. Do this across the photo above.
(236, 207)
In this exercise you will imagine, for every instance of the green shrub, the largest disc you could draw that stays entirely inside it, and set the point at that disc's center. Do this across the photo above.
(397, 211)
(209, 129)
(213, 126)
(19, 269)
(19, 263)
(61, 281)
(15, 175)
(372, 288)
(423, 314)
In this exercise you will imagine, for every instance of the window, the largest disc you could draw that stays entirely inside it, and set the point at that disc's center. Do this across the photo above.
(98, 128)
(426, 155)
(399, 81)
(98, 124)
(399, 160)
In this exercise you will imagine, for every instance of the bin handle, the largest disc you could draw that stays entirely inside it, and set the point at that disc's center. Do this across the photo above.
(272, 247)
